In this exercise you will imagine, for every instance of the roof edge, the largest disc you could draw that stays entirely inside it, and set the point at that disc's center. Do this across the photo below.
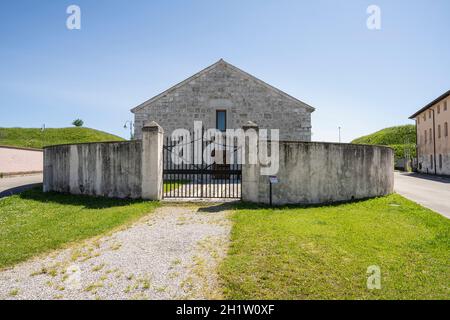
(441, 97)
(307, 106)
(200, 73)
(176, 86)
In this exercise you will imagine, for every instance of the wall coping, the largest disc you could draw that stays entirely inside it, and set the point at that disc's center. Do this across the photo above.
(21, 148)
(281, 141)
(335, 143)
(88, 143)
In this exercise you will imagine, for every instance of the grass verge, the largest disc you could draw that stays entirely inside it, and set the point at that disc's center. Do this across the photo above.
(324, 252)
(33, 222)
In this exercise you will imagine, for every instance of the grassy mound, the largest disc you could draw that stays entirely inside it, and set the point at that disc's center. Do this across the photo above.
(401, 138)
(36, 138)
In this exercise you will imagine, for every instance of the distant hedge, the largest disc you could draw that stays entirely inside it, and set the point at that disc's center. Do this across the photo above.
(401, 138)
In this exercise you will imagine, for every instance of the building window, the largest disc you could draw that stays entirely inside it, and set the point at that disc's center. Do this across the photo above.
(424, 117)
(440, 161)
(439, 108)
(429, 114)
(425, 134)
(446, 129)
(439, 131)
(221, 120)
(445, 105)
(431, 137)
(431, 161)
(418, 120)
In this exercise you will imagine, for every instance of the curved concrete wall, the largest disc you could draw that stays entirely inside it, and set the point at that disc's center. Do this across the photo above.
(309, 172)
(111, 169)
(127, 169)
(314, 172)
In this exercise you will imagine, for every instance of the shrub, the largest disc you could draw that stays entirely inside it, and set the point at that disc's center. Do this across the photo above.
(78, 123)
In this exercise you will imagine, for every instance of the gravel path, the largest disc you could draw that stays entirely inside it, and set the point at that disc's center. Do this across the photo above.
(171, 254)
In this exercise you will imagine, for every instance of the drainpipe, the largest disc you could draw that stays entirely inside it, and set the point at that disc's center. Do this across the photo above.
(434, 142)
(417, 146)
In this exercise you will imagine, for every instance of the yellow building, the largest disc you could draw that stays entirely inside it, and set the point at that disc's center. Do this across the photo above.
(433, 141)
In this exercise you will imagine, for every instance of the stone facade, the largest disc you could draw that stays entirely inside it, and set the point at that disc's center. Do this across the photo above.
(225, 87)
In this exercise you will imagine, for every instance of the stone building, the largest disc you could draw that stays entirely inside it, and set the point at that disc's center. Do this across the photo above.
(433, 141)
(223, 96)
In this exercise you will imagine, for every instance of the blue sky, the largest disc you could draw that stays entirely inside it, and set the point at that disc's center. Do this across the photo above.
(128, 51)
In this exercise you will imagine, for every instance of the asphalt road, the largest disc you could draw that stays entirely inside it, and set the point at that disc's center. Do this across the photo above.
(429, 191)
(18, 184)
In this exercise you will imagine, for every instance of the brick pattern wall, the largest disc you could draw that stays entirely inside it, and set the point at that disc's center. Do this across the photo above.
(224, 88)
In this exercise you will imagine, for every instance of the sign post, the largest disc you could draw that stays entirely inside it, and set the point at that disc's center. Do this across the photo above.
(272, 180)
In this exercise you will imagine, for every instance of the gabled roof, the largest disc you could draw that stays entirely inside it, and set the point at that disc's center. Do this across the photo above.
(443, 96)
(211, 67)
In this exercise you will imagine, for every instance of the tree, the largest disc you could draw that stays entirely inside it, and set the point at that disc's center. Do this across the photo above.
(78, 123)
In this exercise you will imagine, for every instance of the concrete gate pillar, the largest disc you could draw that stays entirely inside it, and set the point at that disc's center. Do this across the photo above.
(152, 161)
(250, 171)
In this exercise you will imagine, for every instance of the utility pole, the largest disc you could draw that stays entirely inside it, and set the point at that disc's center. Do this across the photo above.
(43, 134)
(434, 143)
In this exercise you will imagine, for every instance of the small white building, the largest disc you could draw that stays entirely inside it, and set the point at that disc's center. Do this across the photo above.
(16, 160)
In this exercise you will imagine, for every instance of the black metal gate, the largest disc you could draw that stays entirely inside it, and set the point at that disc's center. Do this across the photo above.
(199, 180)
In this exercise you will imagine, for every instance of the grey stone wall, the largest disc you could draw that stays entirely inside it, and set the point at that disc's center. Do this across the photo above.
(111, 169)
(224, 87)
(129, 169)
(313, 173)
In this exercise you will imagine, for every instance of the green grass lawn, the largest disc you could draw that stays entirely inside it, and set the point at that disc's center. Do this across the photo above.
(33, 222)
(36, 138)
(324, 252)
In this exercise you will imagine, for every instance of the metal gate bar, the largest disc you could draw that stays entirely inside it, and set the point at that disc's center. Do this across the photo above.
(189, 180)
